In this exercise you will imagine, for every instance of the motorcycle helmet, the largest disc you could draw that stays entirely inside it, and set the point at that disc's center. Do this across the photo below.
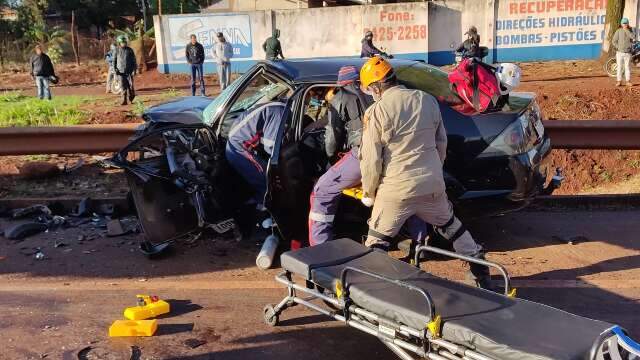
(508, 75)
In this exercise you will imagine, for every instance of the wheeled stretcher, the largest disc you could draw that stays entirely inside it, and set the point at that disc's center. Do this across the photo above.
(416, 314)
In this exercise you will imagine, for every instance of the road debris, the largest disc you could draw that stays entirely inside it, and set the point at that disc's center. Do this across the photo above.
(115, 228)
(34, 210)
(194, 343)
(39, 255)
(36, 170)
(23, 230)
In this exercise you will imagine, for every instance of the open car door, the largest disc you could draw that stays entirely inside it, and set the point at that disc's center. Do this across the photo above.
(288, 186)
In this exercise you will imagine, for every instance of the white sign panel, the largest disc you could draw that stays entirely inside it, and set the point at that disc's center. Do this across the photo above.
(235, 27)
(398, 28)
(531, 23)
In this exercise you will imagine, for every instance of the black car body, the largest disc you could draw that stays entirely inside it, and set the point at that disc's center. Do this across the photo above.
(180, 179)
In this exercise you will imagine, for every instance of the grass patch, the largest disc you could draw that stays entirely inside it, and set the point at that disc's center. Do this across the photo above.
(16, 109)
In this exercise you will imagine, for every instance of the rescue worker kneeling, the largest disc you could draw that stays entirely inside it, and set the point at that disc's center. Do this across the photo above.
(250, 145)
(403, 150)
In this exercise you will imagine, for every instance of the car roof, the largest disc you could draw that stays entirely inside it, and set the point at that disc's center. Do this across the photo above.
(322, 70)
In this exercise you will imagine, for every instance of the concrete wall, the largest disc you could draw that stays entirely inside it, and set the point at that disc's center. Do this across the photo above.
(513, 30)
(306, 33)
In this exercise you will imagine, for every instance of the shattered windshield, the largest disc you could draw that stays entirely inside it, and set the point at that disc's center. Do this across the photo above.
(266, 92)
(428, 79)
(210, 110)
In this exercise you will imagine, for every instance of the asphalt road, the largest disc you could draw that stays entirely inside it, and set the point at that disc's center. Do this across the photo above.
(55, 307)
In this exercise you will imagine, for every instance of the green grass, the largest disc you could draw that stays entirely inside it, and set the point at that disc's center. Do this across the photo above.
(16, 109)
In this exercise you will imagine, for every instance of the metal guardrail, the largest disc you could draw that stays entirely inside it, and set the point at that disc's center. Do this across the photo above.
(88, 139)
(594, 134)
(573, 134)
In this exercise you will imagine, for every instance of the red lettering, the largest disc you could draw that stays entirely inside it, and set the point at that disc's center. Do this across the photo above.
(383, 15)
(589, 5)
(550, 5)
(540, 6)
(568, 5)
(530, 7)
(513, 8)
(560, 4)
(600, 4)
(579, 5)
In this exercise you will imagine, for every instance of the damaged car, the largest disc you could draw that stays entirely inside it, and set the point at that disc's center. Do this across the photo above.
(181, 181)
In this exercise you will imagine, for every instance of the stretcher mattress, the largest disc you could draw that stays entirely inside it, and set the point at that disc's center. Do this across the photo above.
(492, 324)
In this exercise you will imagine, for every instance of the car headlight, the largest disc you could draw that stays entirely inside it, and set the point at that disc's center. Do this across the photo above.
(519, 137)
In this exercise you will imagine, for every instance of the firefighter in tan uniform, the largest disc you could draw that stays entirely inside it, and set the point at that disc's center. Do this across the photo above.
(403, 149)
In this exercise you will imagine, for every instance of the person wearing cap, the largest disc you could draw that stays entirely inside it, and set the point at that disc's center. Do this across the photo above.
(194, 53)
(222, 53)
(404, 146)
(368, 49)
(470, 48)
(125, 65)
(622, 41)
(342, 135)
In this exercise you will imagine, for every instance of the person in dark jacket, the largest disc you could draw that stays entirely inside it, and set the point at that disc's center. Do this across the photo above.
(272, 46)
(343, 134)
(125, 65)
(250, 144)
(470, 48)
(368, 49)
(42, 72)
(195, 58)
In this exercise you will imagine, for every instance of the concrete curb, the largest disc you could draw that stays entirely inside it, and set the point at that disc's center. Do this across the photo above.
(587, 202)
(553, 202)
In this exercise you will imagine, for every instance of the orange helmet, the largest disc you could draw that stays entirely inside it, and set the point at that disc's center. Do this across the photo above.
(375, 69)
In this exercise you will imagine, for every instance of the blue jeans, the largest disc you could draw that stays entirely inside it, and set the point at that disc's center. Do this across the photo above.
(42, 83)
(224, 75)
(197, 71)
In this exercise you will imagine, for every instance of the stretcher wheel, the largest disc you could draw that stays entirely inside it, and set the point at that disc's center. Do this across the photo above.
(271, 318)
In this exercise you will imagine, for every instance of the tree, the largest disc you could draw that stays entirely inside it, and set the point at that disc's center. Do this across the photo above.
(615, 9)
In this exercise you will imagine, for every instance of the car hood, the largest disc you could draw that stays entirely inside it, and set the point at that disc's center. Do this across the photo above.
(184, 110)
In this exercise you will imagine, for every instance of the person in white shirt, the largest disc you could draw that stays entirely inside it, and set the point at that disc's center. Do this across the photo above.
(222, 53)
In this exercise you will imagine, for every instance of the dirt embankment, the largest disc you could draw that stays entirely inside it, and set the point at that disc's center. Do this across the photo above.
(580, 90)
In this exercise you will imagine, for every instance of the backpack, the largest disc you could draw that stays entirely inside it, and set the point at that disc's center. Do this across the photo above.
(476, 84)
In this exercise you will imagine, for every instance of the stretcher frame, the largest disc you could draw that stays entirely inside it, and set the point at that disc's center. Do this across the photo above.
(403, 340)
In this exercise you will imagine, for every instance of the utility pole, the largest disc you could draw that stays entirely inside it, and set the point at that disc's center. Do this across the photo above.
(159, 7)
(144, 15)
(615, 9)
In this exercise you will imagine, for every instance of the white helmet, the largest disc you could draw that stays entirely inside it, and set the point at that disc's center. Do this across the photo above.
(508, 75)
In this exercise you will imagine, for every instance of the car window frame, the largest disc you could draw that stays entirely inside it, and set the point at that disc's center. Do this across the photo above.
(298, 115)
(226, 106)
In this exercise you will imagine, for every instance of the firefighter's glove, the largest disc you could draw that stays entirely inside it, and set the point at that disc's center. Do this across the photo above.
(367, 201)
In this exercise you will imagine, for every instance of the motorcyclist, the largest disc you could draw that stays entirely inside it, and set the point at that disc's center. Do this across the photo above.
(368, 49)
(470, 48)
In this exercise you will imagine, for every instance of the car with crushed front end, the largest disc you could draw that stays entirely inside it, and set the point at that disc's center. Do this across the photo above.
(180, 180)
